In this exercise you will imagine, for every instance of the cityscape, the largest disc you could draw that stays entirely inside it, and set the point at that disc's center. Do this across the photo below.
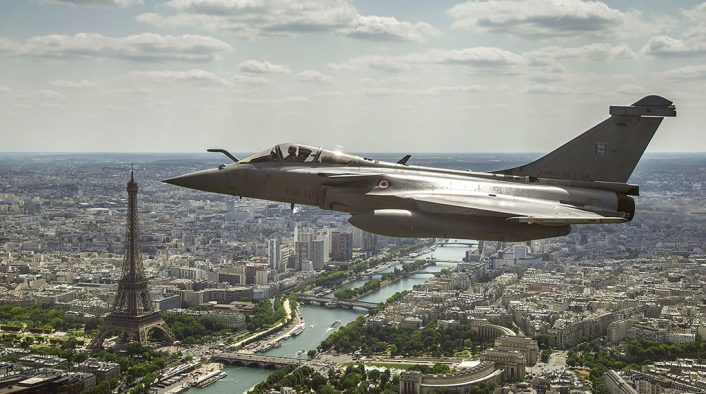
(352, 197)
(266, 297)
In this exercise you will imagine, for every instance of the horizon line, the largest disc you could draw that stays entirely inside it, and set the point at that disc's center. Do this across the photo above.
(354, 152)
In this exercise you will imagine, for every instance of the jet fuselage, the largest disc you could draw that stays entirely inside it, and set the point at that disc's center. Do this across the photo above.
(582, 182)
(374, 192)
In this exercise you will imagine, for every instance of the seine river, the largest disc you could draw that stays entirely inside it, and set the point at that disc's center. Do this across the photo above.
(318, 321)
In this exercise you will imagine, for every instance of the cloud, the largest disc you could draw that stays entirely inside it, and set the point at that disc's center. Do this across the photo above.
(82, 84)
(332, 93)
(252, 19)
(43, 95)
(8, 45)
(444, 90)
(4, 89)
(433, 91)
(313, 76)
(595, 52)
(340, 67)
(666, 46)
(297, 99)
(258, 67)
(195, 75)
(97, 3)
(144, 47)
(133, 91)
(380, 28)
(631, 89)
(687, 73)
(541, 18)
(250, 79)
(696, 14)
(546, 89)
(478, 57)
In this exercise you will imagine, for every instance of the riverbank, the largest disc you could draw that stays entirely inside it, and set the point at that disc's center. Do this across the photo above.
(201, 376)
(260, 334)
(318, 321)
(407, 269)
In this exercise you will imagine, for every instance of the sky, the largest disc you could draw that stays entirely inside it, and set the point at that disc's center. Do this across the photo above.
(360, 76)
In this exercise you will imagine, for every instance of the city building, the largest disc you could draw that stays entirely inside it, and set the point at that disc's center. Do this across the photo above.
(274, 253)
(415, 382)
(341, 246)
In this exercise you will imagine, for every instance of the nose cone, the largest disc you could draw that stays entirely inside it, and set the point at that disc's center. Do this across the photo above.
(207, 180)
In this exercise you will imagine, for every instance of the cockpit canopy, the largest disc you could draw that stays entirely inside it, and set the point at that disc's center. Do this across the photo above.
(298, 153)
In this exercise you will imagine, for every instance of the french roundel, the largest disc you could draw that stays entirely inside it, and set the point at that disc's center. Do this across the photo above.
(384, 184)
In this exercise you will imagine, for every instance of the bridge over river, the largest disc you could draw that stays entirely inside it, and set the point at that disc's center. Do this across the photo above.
(335, 303)
(458, 242)
(256, 360)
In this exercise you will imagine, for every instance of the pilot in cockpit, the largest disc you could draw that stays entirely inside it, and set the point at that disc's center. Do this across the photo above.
(303, 154)
(291, 153)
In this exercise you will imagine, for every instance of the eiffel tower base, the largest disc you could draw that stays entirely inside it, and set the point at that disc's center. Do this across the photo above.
(131, 328)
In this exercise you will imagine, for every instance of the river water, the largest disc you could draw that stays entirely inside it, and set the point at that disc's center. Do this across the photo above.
(318, 321)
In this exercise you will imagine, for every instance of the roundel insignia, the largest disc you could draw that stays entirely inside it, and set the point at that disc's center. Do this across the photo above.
(384, 184)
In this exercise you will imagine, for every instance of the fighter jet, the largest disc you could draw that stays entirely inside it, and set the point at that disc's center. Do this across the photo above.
(582, 182)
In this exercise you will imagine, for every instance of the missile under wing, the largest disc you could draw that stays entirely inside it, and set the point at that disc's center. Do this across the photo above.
(582, 182)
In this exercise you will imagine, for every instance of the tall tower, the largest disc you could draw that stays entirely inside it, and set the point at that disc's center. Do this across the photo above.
(274, 252)
(133, 315)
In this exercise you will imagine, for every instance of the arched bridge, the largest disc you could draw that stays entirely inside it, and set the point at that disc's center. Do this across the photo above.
(334, 303)
(256, 360)
(457, 242)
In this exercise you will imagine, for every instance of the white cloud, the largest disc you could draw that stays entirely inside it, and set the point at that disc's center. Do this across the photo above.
(433, 91)
(687, 72)
(340, 67)
(133, 91)
(82, 84)
(542, 18)
(51, 105)
(667, 46)
(46, 94)
(195, 75)
(258, 67)
(696, 14)
(546, 89)
(478, 57)
(548, 74)
(382, 28)
(396, 79)
(314, 76)
(250, 79)
(8, 45)
(692, 41)
(251, 19)
(631, 89)
(42, 95)
(145, 46)
(297, 99)
(5, 89)
(595, 51)
(332, 93)
(97, 3)
(444, 90)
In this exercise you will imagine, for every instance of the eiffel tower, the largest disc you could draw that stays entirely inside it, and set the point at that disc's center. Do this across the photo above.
(133, 315)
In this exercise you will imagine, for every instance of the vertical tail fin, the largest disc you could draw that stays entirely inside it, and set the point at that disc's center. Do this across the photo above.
(607, 152)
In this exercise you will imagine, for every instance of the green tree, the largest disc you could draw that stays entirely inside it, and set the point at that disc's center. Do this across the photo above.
(544, 355)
